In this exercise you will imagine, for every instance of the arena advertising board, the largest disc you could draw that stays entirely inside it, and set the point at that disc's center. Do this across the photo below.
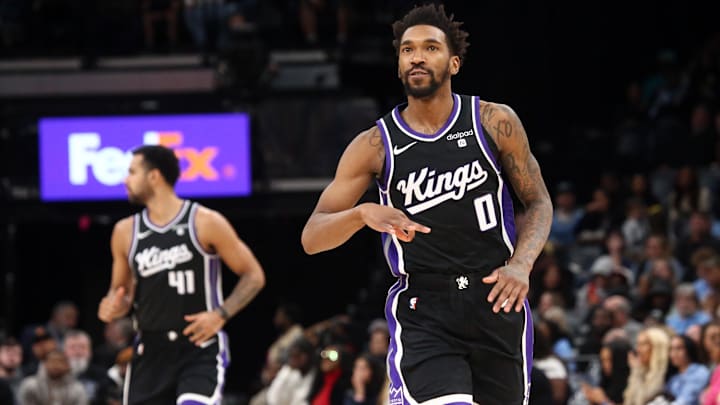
(87, 158)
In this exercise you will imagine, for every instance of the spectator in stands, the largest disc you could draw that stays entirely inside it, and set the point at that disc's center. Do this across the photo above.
(621, 308)
(11, 356)
(287, 321)
(111, 391)
(63, 317)
(657, 246)
(592, 330)
(42, 344)
(709, 282)
(686, 385)
(295, 379)
(118, 335)
(686, 310)
(551, 365)
(54, 384)
(368, 375)
(614, 374)
(565, 216)
(78, 349)
(710, 344)
(648, 367)
(593, 227)
(698, 236)
(379, 339)
(550, 276)
(687, 196)
(635, 228)
(333, 378)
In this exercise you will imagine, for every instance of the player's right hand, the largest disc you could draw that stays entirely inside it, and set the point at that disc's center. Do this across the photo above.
(391, 220)
(113, 305)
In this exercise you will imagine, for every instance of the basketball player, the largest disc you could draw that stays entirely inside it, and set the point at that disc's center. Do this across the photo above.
(166, 262)
(458, 317)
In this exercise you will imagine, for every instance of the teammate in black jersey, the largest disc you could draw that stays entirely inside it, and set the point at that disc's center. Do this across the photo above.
(460, 325)
(167, 267)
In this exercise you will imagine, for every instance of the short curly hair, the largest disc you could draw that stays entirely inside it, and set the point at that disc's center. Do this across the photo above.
(432, 14)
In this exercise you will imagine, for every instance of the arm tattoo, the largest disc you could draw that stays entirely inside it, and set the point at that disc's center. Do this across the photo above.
(523, 171)
(504, 128)
(377, 143)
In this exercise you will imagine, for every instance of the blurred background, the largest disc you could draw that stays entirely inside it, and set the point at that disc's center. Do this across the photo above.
(620, 103)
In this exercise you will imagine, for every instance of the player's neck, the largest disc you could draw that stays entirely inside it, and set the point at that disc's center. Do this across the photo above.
(163, 207)
(428, 115)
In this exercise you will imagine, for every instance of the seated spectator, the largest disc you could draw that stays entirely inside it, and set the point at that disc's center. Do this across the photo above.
(657, 247)
(295, 379)
(78, 349)
(63, 317)
(379, 339)
(287, 321)
(686, 310)
(691, 378)
(614, 374)
(367, 378)
(710, 344)
(118, 335)
(565, 216)
(333, 378)
(551, 365)
(11, 356)
(41, 345)
(620, 308)
(111, 390)
(53, 384)
(698, 236)
(648, 367)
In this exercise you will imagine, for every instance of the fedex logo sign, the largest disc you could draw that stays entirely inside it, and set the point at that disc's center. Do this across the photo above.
(109, 164)
(213, 150)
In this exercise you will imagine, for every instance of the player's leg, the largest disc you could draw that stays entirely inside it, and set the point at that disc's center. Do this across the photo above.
(425, 365)
(501, 365)
(202, 376)
(150, 378)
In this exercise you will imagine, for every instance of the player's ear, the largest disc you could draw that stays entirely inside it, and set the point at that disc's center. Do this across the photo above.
(154, 175)
(454, 65)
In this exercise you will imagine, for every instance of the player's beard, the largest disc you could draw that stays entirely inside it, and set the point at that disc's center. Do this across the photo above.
(427, 90)
(139, 197)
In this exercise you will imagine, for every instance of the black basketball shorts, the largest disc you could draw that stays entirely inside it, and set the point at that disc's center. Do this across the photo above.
(167, 369)
(448, 347)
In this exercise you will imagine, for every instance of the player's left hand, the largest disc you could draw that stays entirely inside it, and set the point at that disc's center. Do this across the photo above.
(512, 283)
(203, 326)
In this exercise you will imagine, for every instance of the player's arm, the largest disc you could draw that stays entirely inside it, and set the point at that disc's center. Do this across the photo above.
(522, 170)
(336, 216)
(216, 234)
(215, 230)
(116, 302)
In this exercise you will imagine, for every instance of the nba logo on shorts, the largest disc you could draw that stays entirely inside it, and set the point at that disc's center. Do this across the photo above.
(396, 395)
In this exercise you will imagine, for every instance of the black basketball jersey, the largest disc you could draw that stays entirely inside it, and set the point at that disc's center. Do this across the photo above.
(450, 181)
(175, 276)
